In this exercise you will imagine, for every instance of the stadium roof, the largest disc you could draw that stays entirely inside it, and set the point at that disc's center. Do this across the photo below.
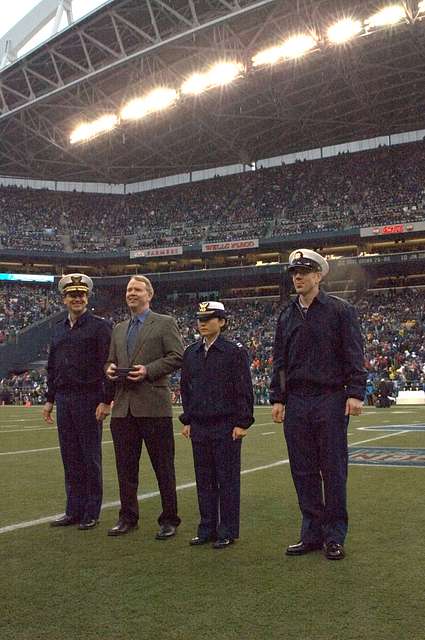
(373, 86)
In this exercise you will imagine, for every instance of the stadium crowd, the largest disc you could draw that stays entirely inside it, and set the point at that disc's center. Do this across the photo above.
(381, 186)
(392, 322)
(24, 305)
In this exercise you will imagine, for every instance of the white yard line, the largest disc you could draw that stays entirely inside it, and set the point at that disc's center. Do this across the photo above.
(29, 419)
(15, 453)
(25, 429)
(182, 487)
(387, 435)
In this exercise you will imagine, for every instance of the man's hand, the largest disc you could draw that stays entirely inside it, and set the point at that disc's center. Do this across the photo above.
(110, 372)
(186, 431)
(47, 412)
(238, 433)
(353, 407)
(278, 412)
(139, 373)
(102, 410)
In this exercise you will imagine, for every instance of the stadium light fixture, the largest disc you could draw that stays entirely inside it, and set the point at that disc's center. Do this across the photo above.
(291, 49)
(387, 17)
(88, 130)
(268, 57)
(344, 30)
(219, 75)
(157, 100)
(297, 46)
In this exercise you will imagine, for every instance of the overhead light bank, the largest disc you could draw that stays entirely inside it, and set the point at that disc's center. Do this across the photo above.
(219, 75)
(225, 72)
(157, 100)
(88, 130)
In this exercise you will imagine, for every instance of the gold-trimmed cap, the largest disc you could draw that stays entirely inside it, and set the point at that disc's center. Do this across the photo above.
(75, 282)
(211, 309)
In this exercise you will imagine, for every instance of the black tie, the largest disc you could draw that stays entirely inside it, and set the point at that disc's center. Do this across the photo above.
(132, 335)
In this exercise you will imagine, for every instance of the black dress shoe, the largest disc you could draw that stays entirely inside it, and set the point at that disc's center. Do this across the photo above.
(165, 531)
(64, 521)
(198, 540)
(122, 527)
(222, 543)
(301, 548)
(334, 551)
(88, 524)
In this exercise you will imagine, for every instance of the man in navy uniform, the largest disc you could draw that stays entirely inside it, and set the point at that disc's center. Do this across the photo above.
(218, 401)
(77, 383)
(318, 382)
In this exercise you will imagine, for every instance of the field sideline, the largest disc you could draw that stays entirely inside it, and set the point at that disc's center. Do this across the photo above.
(81, 584)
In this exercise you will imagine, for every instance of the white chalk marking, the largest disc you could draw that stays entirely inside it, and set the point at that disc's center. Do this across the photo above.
(182, 487)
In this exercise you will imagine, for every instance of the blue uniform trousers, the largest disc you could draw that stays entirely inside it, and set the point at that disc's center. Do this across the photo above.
(217, 461)
(80, 439)
(316, 435)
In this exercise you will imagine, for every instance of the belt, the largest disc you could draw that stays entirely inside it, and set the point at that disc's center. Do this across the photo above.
(309, 389)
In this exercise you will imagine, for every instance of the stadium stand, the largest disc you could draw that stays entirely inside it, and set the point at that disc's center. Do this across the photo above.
(382, 186)
(393, 325)
(23, 305)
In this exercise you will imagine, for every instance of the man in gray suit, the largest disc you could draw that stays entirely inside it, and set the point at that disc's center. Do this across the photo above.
(144, 351)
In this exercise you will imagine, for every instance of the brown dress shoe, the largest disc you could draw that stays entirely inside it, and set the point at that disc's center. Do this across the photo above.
(88, 524)
(64, 521)
(301, 548)
(122, 527)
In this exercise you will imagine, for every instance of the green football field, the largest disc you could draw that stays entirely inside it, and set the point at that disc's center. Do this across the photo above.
(65, 583)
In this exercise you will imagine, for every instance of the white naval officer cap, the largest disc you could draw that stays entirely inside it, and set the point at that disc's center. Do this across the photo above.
(75, 282)
(308, 259)
(211, 309)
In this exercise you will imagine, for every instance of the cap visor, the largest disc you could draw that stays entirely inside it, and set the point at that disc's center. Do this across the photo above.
(301, 267)
(73, 289)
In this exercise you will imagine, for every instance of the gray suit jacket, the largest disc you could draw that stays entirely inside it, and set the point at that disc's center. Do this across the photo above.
(160, 349)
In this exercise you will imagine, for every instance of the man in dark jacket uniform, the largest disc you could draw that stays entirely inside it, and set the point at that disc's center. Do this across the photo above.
(218, 404)
(318, 381)
(77, 383)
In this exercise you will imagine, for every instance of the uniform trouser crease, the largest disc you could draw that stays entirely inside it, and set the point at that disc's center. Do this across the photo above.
(128, 435)
(80, 441)
(316, 435)
(217, 462)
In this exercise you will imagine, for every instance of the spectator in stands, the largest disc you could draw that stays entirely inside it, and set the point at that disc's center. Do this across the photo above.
(380, 186)
(392, 323)
(23, 305)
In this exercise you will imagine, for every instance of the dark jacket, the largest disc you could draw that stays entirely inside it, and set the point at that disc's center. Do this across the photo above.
(217, 387)
(77, 357)
(319, 352)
